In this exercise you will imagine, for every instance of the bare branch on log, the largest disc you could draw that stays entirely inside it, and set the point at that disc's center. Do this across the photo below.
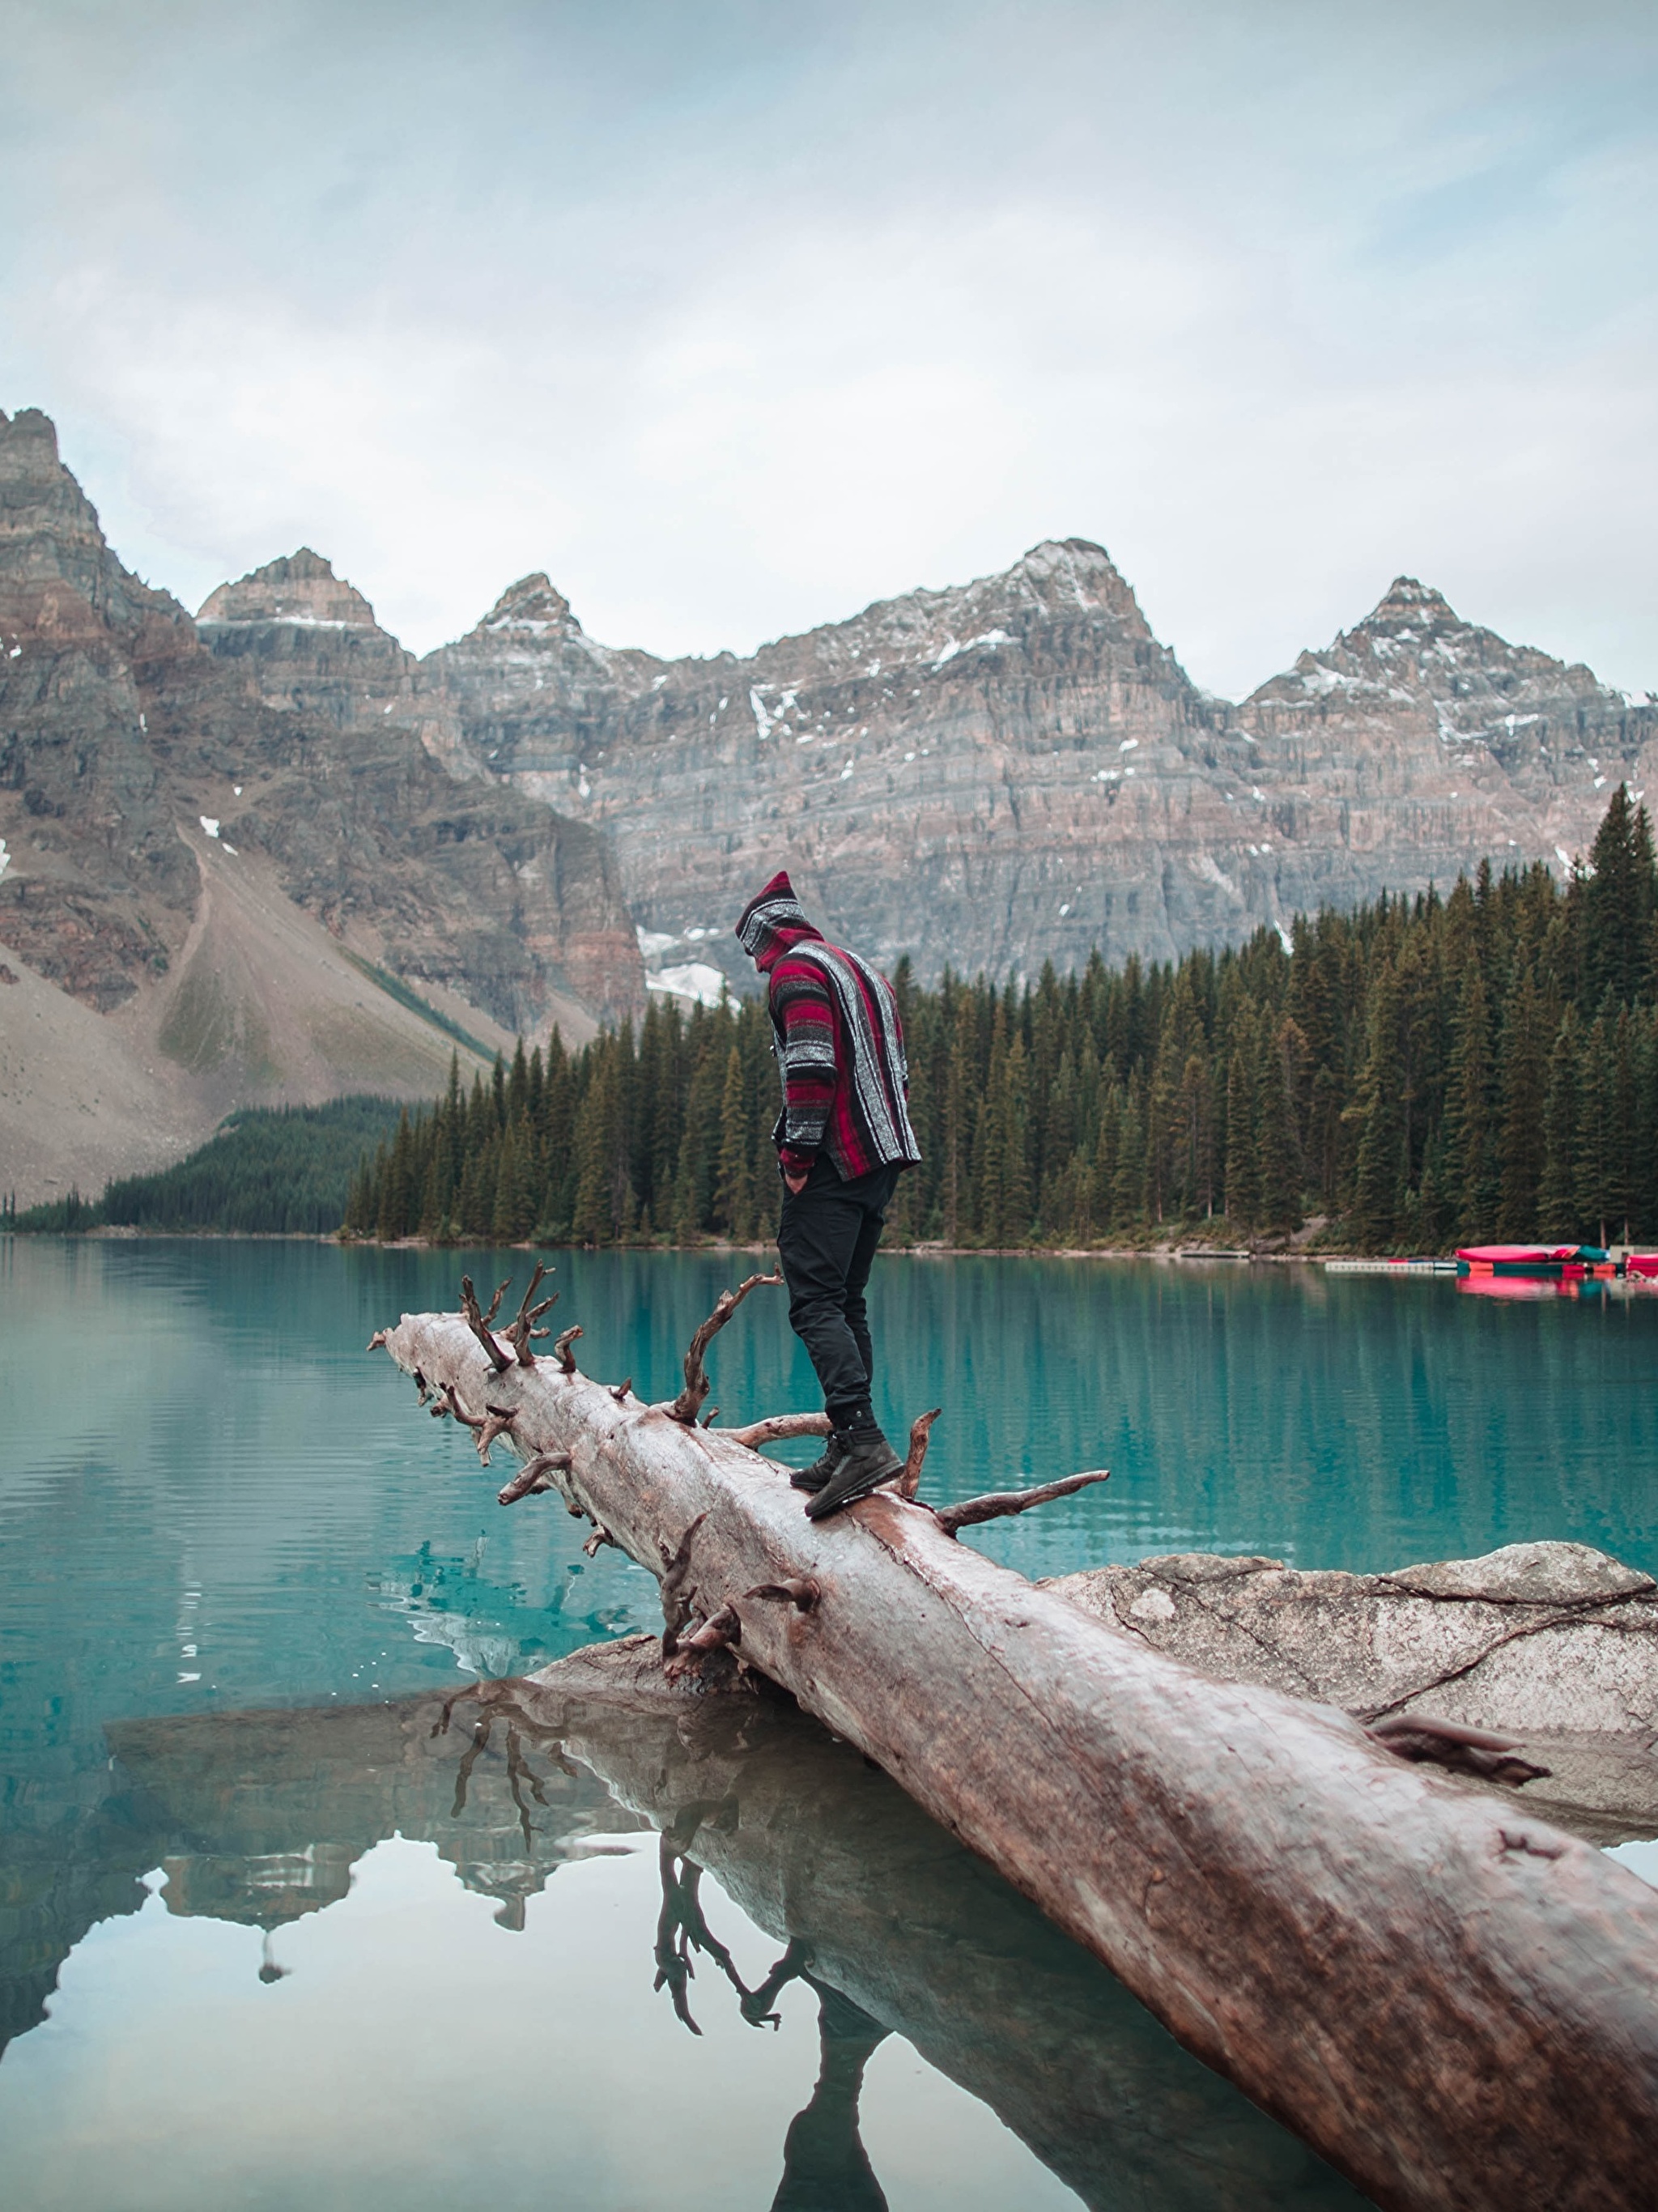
(778, 1428)
(720, 1632)
(676, 1604)
(689, 1404)
(479, 1323)
(505, 1283)
(719, 1629)
(524, 1328)
(601, 1535)
(497, 1422)
(1418, 1737)
(801, 1591)
(451, 1404)
(995, 1505)
(562, 1351)
(619, 1390)
(711, 1417)
(534, 1476)
(909, 1481)
(377, 1339)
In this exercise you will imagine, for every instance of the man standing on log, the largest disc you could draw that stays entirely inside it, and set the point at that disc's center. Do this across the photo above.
(843, 1139)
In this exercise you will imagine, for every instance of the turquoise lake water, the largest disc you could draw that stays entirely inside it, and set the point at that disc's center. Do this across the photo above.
(213, 1504)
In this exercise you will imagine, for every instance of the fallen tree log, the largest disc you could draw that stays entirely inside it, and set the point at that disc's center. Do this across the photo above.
(1456, 2004)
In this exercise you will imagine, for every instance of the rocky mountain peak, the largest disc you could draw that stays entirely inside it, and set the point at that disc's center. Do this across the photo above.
(28, 446)
(1057, 584)
(49, 530)
(1415, 639)
(300, 589)
(58, 578)
(1074, 573)
(1515, 747)
(527, 689)
(1407, 605)
(531, 605)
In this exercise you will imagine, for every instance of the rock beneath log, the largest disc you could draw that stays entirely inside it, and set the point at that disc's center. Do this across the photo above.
(1553, 1645)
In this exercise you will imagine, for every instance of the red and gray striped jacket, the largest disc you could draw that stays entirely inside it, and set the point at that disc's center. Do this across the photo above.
(839, 1042)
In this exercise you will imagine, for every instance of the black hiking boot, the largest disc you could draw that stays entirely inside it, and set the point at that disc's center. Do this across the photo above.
(815, 1476)
(867, 1461)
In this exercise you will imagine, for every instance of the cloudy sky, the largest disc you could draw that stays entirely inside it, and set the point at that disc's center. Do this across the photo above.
(735, 314)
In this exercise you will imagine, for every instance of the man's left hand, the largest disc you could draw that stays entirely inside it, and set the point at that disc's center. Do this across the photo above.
(796, 1180)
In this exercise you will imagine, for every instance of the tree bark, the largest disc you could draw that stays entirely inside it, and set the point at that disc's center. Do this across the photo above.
(1456, 2004)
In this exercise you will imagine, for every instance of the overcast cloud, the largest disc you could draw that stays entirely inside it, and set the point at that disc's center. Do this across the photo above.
(735, 316)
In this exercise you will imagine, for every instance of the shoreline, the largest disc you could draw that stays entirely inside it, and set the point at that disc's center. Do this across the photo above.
(1166, 1251)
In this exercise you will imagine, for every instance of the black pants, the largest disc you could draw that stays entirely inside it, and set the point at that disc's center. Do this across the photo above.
(826, 1241)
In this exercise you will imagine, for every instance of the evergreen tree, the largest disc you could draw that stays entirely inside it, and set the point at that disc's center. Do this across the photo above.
(1619, 902)
(594, 1216)
(1523, 1145)
(1594, 1176)
(1242, 1147)
(1194, 1163)
(956, 1125)
(1128, 1174)
(1556, 1196)
(516, 1197)
(1623, 1192)
(1471, 1134)
(396, 1192)
(1278, 1177)
(1379, 1187)
(733, 1193)
(1012, 1105)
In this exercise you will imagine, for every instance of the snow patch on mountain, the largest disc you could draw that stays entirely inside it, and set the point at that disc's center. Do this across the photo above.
(694, 980)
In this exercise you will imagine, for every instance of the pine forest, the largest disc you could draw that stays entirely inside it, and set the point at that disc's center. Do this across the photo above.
(1417, 1074)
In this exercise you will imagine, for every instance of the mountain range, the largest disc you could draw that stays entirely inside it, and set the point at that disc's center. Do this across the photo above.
(268, 855)
(1017, 770)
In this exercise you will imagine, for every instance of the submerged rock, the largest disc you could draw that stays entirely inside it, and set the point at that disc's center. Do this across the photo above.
(1553, 1645)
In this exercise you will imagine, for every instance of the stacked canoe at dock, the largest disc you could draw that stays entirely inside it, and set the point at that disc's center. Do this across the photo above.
(1517, 1270)
(1560, 1263)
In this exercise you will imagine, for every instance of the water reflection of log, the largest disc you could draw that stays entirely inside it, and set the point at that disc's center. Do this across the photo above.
(874, 1904)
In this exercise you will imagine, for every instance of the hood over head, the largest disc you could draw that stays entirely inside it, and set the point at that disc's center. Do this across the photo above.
(772, 921)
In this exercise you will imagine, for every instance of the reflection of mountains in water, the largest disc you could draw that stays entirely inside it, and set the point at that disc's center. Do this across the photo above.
(493, 1628)
(258, 1818)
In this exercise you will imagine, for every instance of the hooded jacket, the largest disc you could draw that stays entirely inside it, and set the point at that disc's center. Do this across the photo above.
(840, 1044)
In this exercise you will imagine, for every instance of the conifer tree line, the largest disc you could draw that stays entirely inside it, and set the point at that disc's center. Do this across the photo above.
(1422, 1073)
(267, 1170)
